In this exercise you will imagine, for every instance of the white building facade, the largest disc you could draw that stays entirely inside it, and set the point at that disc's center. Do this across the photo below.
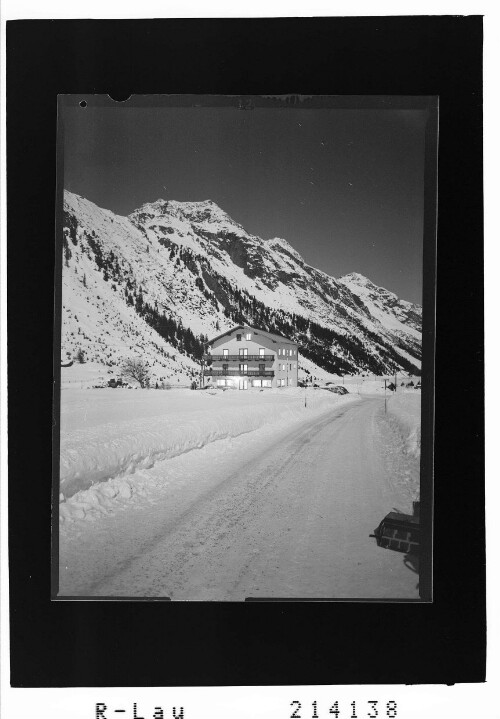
(245, 357)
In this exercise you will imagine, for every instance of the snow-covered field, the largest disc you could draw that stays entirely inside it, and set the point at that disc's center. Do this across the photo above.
(370, 384)
(286, 510)
(86, 375)
(108, 434)
(94, 374)
(223, 495)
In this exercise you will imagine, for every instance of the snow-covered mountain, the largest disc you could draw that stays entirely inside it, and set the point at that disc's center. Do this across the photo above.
(160, 282)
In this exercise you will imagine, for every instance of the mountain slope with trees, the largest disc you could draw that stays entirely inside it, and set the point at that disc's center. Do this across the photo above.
(159, 283)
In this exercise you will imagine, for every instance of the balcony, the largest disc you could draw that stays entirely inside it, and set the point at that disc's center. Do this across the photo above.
(236, 373)
(239, 358)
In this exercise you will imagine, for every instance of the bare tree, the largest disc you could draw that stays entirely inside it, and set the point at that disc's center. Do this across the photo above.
(135, 369)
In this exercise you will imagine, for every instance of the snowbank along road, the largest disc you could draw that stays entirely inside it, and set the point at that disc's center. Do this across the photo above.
(274, 513)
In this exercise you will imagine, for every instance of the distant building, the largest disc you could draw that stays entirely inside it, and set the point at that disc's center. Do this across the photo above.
(245, 357)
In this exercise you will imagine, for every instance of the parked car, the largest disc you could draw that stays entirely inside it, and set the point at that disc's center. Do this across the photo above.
(114, 382)
(339, 389)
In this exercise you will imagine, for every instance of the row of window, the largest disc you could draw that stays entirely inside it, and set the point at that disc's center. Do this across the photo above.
(243, 352)
(284, 352)
(243, 384)
(243, 367)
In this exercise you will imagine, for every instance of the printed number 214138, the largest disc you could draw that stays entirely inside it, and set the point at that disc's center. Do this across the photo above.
(372, 709)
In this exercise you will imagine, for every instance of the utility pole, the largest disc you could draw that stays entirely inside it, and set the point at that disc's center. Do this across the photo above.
(385, 395)
(395, 381)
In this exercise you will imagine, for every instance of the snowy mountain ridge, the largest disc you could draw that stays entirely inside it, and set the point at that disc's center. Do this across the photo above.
(160, 281)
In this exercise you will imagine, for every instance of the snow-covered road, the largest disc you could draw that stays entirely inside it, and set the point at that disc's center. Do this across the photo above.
(274, 513)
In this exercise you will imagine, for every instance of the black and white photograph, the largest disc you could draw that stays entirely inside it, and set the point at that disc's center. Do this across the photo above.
(244, 364)
(239, 348)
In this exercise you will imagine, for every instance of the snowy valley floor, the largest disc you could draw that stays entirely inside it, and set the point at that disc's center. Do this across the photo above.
(232, 495)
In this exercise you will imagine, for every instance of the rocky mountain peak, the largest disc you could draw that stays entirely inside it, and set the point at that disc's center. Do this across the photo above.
(357, 278)
(198, 212)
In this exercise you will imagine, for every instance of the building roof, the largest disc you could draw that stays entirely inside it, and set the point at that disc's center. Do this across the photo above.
(256, 331)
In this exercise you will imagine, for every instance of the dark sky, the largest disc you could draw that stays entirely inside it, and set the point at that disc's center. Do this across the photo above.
(344, 187)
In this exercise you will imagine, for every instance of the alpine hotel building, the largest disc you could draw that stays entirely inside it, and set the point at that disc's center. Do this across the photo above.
(244, 357)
